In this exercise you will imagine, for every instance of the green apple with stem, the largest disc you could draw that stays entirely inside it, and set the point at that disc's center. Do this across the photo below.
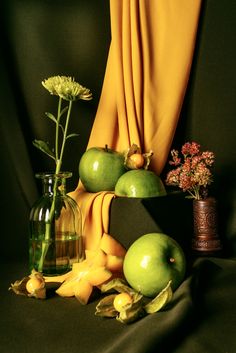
(100, 168)
(140, 183)
(152, 261)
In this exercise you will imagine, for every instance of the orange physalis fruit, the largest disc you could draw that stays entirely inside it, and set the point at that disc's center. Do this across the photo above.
(137, 160)
(121, 300)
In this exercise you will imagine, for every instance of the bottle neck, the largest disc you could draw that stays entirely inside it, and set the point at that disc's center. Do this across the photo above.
(54, 184)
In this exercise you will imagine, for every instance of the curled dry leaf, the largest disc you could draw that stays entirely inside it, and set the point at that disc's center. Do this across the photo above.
(160, 300)
(105, 307)
(117, 284)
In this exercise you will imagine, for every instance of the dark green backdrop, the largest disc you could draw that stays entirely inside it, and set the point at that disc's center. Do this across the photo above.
(44, 38)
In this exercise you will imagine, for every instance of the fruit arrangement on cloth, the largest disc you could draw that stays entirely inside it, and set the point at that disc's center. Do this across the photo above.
(133, 283)
(127, 174)
(154, 266)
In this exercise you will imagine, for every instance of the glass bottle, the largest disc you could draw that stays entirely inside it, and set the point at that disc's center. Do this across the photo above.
(55, 228)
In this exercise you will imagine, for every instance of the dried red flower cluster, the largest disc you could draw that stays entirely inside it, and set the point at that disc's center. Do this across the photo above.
(192, 172)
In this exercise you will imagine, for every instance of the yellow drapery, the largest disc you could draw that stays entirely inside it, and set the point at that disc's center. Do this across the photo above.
(148, 66)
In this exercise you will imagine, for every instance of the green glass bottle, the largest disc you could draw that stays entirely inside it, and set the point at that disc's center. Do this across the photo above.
(55, 228)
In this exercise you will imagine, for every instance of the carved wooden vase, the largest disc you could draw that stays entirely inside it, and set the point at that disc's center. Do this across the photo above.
(206, 239)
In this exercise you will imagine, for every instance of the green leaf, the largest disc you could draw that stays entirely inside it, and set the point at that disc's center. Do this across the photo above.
(71, 135)
(63, 110)
(44, 147)
(62, 129)
(51, 117)
(160, 300)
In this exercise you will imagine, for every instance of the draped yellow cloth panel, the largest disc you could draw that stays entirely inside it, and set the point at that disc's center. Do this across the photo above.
(148, 66)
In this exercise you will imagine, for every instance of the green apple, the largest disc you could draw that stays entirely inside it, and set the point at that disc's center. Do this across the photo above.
(152, 261)
(140, 183)
(100, 168)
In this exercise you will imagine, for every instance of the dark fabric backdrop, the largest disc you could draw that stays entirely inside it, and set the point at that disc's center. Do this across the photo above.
(41, 38)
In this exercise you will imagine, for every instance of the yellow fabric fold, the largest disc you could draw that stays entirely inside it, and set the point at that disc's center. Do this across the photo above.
(95, 209)
(146, 77)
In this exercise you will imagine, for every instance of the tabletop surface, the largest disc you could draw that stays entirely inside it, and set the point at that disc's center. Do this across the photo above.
(200, 319)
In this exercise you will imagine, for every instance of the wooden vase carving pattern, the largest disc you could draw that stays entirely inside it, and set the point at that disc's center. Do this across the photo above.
(205, 220)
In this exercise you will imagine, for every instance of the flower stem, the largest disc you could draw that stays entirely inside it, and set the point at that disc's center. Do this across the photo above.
(65, 131)
(57, 128)
(50, 223)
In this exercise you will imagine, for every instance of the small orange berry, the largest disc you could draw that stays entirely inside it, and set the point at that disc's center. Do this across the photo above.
(121, 300)
(33, 284)
(137, 160)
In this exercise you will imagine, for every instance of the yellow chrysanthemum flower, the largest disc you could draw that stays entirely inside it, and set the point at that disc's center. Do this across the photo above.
(66, 88)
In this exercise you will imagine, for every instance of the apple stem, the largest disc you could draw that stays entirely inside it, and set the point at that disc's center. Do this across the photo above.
(172, 260)
(106, 148)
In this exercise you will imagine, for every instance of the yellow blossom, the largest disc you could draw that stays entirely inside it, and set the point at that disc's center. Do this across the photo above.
(66, 88)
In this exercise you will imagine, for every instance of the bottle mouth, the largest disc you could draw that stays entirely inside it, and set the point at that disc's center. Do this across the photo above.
(50, 175)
